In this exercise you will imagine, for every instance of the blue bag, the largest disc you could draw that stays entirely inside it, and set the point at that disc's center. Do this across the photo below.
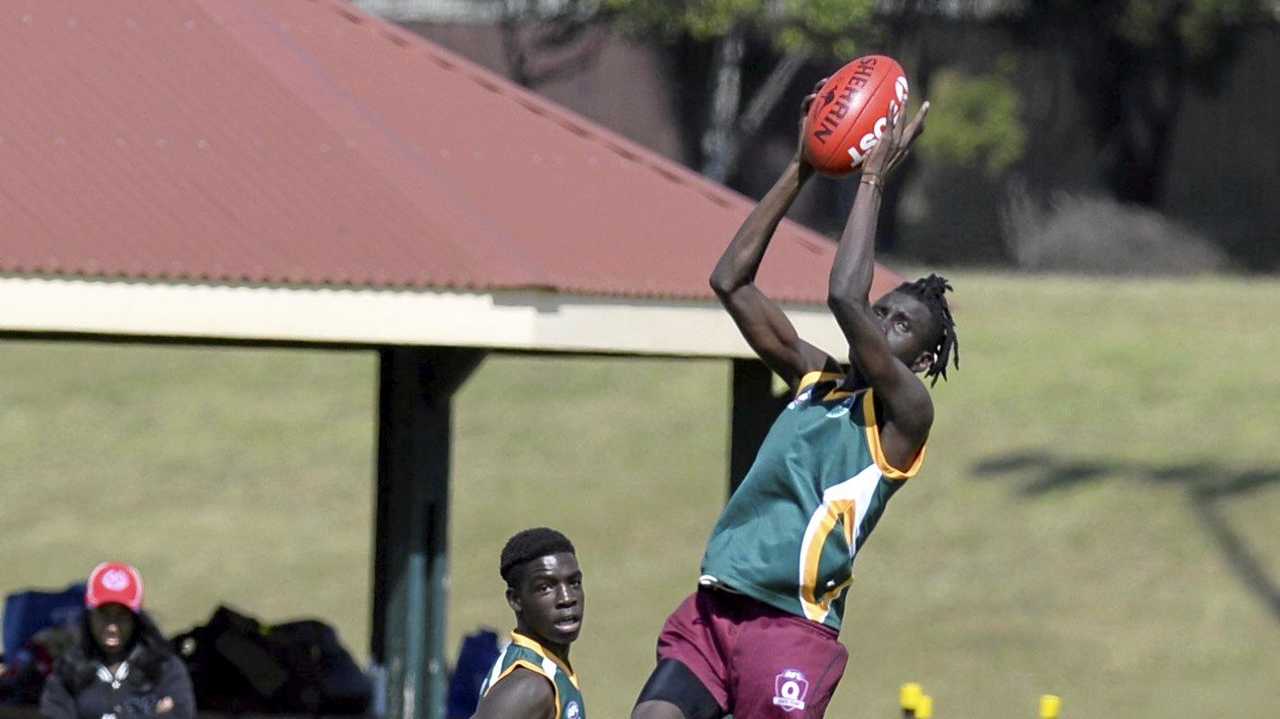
(26, 613)
(476, 657)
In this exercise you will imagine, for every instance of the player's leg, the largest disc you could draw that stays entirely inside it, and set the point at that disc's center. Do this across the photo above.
(674, 692)
(689, 681)
(657, 710)
(785, 667)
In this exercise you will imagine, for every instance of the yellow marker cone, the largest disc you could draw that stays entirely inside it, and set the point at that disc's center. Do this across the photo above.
(1050, 705)
(924, 709)
(909, 697)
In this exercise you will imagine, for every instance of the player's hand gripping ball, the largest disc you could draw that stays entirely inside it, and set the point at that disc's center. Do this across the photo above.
(850, 111)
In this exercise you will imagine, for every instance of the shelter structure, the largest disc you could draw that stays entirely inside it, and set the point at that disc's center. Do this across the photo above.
(302, 174)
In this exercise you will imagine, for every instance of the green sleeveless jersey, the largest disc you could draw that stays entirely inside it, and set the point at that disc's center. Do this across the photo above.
(525, 652)
(820, 482)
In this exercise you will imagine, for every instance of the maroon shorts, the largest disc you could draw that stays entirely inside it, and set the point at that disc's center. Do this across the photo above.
(755, 660)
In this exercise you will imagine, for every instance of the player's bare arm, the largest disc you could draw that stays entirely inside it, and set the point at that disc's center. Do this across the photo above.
(906, 407)
(521, 695)
(762, 322)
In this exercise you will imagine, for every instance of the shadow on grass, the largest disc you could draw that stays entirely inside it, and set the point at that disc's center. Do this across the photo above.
(1205, 485)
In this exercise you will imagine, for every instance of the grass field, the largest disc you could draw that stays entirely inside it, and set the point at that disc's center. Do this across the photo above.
(1096, 518)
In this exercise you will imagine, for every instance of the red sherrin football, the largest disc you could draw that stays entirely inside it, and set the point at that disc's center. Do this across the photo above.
(850, 111)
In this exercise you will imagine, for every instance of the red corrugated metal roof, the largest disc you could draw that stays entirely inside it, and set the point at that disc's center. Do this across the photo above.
(305, 142)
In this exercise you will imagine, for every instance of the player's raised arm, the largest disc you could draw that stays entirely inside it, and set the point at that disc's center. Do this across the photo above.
(875, 333)
(761, 321)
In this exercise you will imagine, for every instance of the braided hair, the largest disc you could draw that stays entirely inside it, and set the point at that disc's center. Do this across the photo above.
(931, 291)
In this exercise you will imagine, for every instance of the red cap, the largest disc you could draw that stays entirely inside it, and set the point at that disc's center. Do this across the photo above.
(114, 582)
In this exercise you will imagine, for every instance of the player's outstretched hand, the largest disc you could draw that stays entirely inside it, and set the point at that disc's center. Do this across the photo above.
(895, 143)
(804, 112)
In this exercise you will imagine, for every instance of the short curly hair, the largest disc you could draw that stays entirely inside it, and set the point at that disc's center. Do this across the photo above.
(530, 544)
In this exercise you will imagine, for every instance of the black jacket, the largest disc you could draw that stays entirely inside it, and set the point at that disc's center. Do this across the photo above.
(128, 698)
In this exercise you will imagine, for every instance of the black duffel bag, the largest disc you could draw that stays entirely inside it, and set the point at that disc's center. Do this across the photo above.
(240, 665)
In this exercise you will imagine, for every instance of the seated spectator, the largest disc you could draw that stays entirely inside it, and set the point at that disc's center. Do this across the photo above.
(121, 667)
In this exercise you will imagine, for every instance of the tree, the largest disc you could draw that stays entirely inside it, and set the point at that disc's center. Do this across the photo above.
(789, 35)
(797, 29)
(1131, 62)
(977, 121)
(828, 31)
(564, 35)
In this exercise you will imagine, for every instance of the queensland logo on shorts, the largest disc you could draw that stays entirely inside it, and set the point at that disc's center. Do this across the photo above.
(116, 580)
(573, 711)
(789, 690)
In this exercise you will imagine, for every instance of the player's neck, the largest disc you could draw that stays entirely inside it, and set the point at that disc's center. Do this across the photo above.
(560, 652)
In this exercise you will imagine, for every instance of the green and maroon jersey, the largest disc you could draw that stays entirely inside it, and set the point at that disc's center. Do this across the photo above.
(819, 484)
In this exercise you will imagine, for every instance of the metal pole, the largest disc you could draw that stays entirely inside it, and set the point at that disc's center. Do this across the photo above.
(754, 408)
(411, 568)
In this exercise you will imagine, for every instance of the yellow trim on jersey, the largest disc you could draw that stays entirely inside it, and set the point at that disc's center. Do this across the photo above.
(817, 607)
(814, 377)
(836, 394)
(877, 452)
(525, 664)
(532, 644)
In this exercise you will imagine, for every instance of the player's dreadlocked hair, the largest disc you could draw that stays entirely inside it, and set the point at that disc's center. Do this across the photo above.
(530, 544)
(930, 290)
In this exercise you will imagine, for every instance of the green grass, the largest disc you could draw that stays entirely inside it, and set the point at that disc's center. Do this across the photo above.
(1103, 468)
